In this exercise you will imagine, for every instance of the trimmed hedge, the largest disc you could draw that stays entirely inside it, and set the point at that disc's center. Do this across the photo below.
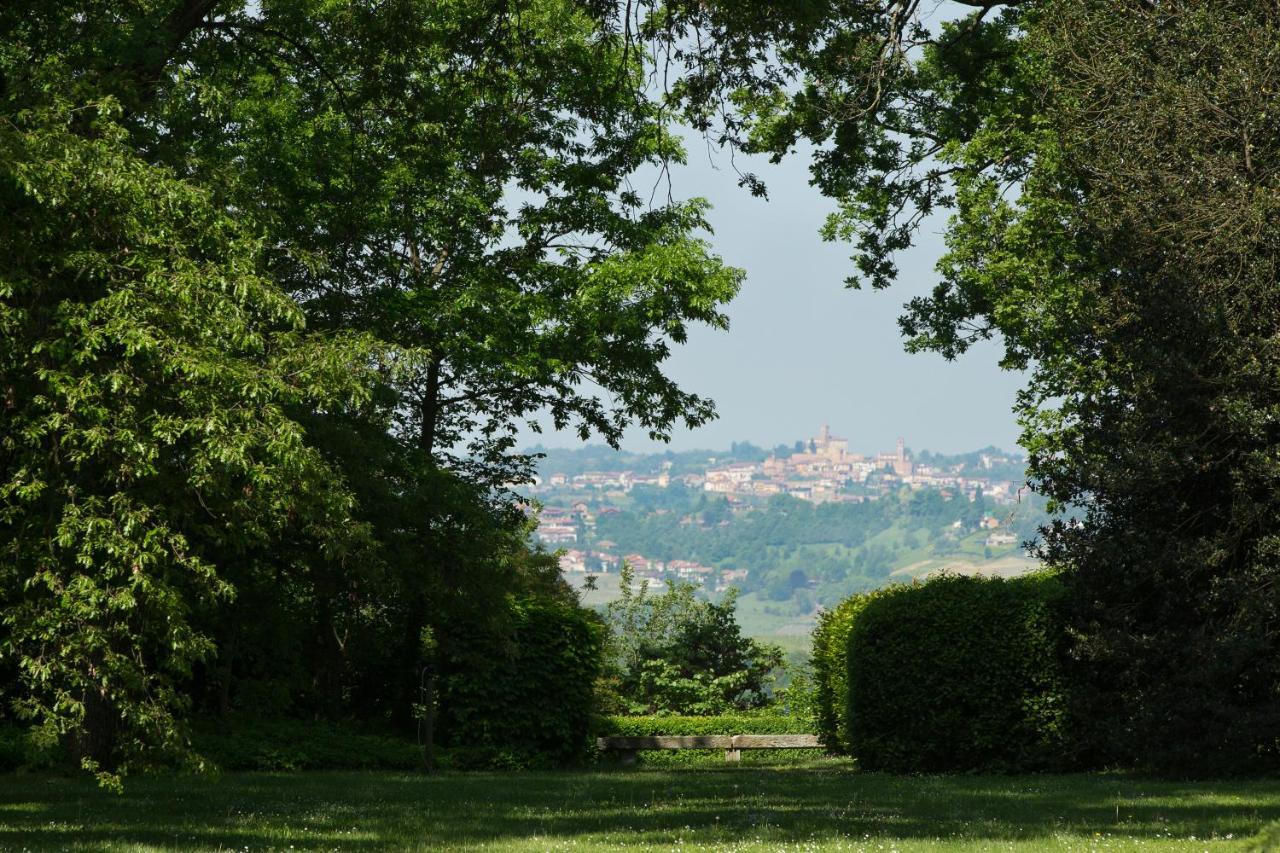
(752, 723)
(725, 724)
(959, 674)
(524, 697)
(830, 661)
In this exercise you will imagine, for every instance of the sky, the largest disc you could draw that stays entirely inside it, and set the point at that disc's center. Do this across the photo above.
(802, 350)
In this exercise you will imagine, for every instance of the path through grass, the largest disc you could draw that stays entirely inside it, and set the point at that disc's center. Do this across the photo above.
(824, 805)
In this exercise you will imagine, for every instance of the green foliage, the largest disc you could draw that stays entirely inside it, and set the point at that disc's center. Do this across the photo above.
(148, 372)
(1111, 170)
(674, 653)
(763, 722)
(960, 673)
(274, 745)
(279, 282)
(1131, 273)
(767, 721)
(526, 688)
(21, 749)
(798, 698)
(830, 661)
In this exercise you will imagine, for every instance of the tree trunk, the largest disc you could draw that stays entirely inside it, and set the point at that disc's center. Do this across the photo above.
(96, 739)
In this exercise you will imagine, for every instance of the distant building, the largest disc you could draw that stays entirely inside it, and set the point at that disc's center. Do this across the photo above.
(897, 461)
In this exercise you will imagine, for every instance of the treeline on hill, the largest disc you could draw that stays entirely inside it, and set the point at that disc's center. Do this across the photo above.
(786, 544)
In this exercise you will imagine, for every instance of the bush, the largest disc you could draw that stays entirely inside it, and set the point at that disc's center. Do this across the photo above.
(830, 661)
(959, 673)
(526, 694)
(763, 722)
(676, 653)
(259, 744)
(19, 751)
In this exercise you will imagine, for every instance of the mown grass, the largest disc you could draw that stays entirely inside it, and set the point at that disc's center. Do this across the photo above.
(820, 805)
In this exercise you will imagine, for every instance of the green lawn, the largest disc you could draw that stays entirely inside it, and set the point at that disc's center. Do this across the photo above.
(819, 806)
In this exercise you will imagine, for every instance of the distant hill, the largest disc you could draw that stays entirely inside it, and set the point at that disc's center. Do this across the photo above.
(789, 556)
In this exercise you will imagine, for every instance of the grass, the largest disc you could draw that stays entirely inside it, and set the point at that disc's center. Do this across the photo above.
(819, 805)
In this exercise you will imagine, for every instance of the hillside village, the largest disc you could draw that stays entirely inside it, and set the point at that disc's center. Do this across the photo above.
(819, 470)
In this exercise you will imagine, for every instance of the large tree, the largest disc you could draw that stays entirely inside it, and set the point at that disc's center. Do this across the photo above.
(457, 178)
(443, 193)
(1109, 168)
(1156, 383)
(146, 373)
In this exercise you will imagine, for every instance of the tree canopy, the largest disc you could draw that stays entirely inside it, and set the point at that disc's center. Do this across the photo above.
(281, 281)
(1106, 165)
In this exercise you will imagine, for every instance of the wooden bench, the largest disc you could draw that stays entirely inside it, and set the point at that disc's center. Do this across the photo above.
(732, 745)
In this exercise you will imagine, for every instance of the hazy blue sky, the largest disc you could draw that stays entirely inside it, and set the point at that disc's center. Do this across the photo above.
(802, 350)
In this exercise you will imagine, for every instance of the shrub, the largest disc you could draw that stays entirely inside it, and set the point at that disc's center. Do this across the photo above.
(260, 744)
(526, 693)
(20, 751)
(765, 722)
(959, 673)
(675, 653)
(830, 670)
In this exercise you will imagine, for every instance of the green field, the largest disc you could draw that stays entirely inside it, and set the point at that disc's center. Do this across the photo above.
(820, 805)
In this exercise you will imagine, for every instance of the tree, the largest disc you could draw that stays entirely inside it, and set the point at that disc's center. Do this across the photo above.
(471, 202)
(440, 195)
(1164, 373)
(146, 378)
(1109, 169)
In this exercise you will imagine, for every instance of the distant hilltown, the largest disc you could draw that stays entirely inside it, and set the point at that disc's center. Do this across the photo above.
(818, 470)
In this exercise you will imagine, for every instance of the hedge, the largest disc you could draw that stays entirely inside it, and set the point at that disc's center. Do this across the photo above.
(959, 674)
(725, 724)
(753, 723)
(523, 697)
(830, 670)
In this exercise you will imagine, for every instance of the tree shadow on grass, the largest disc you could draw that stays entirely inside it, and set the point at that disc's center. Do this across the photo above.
(353, 811)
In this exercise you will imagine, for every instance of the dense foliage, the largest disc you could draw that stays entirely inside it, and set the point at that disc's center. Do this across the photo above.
(675, 653)
(1165, 371)
(146, 448)
(960, 673)
(279, 282)
(829, 658)
(289, 745)
(765, 722)
(1110, 168)
(526, 688)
